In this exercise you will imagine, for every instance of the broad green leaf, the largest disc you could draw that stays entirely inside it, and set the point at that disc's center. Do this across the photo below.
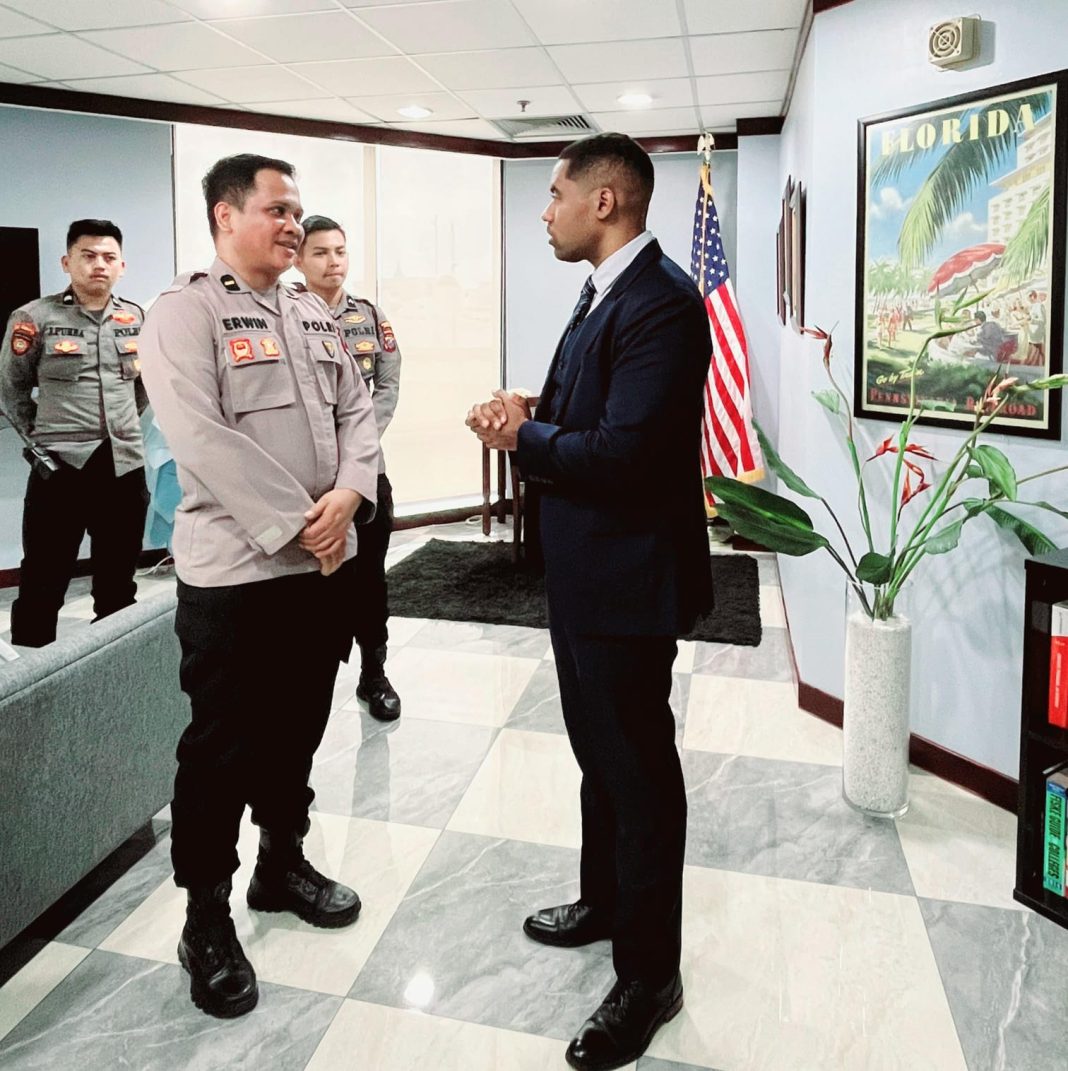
(829, 399)
(997, 469)
(875, 568)
(780, 468)
(975, 506)
(1047, 506)
(1034, 541)
(767, 518)
(945, 539)
(973, 472)
(1049, 383)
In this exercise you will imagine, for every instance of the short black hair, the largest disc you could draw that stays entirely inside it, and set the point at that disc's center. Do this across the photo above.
(92, 228)
(617, 160)
(981, 316)
(314, 224)
(233, 178)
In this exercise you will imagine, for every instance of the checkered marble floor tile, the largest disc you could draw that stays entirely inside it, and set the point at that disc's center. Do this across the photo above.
(814, 939)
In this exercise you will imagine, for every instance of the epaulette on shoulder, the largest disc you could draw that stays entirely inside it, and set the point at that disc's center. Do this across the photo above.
(127, 301)
(183, 280)
(298, 288)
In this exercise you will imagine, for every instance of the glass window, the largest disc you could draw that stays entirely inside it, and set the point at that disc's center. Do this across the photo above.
(438, 217)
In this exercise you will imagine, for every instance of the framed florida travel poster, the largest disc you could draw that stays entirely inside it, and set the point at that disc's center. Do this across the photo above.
(960, 198)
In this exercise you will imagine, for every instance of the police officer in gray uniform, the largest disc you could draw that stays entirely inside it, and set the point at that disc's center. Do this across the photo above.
(277, 451)
(79, 350)
(324, 262)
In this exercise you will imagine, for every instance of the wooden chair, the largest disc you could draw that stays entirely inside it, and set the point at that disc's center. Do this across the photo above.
(505, 465)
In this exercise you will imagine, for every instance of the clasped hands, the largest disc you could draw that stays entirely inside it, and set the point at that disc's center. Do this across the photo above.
(497, 422)
(326, 532)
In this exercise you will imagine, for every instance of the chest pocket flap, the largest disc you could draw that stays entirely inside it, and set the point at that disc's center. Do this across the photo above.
(256, 371)
(61, 358)
(326, 354)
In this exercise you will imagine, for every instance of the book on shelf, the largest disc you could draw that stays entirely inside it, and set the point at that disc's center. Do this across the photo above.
(1058, 665)
(1053, 854)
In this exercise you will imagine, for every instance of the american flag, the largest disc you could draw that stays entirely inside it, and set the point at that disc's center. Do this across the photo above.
(729, 444)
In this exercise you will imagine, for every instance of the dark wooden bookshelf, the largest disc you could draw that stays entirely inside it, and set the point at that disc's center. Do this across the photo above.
(1041, 745)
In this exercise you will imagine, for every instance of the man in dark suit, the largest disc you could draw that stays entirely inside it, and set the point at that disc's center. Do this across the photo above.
(614, 450)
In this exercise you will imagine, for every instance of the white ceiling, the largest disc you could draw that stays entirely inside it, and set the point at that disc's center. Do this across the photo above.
(706, 63)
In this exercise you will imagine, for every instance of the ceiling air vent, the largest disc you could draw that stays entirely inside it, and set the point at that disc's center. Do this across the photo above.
(542, 126)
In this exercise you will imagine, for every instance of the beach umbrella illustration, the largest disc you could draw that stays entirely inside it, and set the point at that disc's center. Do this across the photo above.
(965, 268)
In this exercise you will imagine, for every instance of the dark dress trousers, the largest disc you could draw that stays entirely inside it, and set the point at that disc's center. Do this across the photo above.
(614, 452)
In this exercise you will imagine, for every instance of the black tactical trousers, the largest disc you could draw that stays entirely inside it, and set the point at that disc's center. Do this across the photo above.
(258, 663)
(56, 515)
(370, 600)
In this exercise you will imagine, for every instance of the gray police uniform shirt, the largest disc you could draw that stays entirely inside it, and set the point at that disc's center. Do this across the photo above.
(373, 345)
(86, 370)
(264, 414)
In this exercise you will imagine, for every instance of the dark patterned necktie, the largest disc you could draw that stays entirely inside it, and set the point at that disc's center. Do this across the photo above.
(589, 292)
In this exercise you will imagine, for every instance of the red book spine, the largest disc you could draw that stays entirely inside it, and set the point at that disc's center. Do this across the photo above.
(1058, 667)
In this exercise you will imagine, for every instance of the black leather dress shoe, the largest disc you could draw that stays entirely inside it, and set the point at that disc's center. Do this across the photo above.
(620, 1030)
(568, 926)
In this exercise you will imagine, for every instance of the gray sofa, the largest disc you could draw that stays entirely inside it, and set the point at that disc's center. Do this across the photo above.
(88, 729)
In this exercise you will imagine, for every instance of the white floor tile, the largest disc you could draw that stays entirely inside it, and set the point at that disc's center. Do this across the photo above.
(772, 612)
(789, 975)
(23, 992)
(378, 859)
(389, 1039)
(402, 629)
(527, 788)
(684, 659)
(474, 689)
(958, 846)
(736, 716)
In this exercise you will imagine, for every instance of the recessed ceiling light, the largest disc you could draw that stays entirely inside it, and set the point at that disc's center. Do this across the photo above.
(414, 111)
(635, 100)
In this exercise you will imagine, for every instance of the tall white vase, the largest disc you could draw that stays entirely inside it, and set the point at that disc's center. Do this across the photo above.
(875, 755)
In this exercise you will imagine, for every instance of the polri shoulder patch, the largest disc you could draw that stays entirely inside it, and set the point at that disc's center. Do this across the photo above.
(230, 283)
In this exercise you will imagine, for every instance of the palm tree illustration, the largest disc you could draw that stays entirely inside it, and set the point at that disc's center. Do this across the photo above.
(964, 166)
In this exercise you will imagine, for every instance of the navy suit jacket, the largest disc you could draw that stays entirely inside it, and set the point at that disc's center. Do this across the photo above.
(622, 513)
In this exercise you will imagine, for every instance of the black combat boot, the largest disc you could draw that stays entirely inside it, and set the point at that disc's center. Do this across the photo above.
(374, 688)
(285, 881)
(221, 980)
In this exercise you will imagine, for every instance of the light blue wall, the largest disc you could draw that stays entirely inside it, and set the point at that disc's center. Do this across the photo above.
(540, 291)
(55, 168)
(967, 605)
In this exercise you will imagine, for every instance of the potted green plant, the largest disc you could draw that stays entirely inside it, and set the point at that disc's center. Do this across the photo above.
(926, 516)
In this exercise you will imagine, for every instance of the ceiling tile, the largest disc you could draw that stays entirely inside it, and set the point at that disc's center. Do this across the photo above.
(730, 88)
(503, 103)
(10, 74)
(353, 78)
(666, 93)
(100, 14)
(658, 121)
(724, 53)
(456, 128)
(250, 84)
(239, 9)
(716, 115)
(146, 86)
(59, 56)
(558, 22)
(12, 24)
(185, 46)
(317, 36)
(450, 26)
(383, 3)
(730, 16)
(331, 108)
(663, 58)
(493, 69)
(443, 105)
